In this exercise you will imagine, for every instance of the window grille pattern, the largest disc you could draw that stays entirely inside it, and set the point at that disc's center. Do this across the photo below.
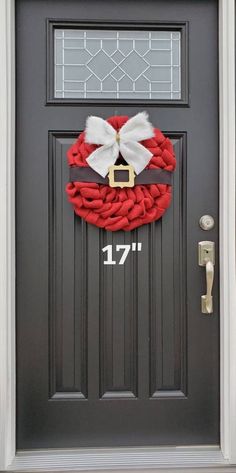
(106, 64)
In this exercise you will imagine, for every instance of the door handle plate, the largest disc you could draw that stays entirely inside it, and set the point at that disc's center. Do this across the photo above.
(206, 257)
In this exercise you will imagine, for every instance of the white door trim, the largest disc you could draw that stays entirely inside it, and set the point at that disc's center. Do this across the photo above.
(209, 459)
(7, 232)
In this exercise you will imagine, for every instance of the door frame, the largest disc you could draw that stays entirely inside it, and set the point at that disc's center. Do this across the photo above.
(114, 459)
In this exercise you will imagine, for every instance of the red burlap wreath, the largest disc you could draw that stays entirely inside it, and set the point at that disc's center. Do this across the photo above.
(115, 208)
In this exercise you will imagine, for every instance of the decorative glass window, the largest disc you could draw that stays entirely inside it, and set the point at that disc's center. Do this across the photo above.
(108, 64)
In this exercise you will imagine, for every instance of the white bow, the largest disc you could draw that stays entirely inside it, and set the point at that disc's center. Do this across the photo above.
(126, 142)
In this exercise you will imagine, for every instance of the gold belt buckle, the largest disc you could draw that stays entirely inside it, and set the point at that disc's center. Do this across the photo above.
(111, 175)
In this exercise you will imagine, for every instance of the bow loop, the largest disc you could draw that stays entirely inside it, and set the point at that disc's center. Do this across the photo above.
(126, 142)
(99, 131)
(137, 128)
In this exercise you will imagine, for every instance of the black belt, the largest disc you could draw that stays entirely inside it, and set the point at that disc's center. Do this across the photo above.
(147, 176)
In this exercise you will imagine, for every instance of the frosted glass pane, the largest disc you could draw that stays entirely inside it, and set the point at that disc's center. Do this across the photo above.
(74, 43)
(105, 64)
(68, 33)
(76, 86)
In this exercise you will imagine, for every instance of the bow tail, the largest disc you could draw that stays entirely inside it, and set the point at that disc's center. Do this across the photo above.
(103, 157)
(136, 155)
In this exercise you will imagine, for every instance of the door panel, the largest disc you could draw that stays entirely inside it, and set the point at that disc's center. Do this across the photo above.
(111, 355)
(127, 294)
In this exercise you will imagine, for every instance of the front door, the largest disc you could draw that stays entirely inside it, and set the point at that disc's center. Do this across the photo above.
(115, 354)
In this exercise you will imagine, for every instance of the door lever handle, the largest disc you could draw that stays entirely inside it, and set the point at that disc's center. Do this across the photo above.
(207, 300)
(206, 257)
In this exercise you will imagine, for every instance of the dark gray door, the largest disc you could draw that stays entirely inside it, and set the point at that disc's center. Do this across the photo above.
(111, 355)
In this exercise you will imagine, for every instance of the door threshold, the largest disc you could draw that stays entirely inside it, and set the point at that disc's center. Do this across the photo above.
(121, 459)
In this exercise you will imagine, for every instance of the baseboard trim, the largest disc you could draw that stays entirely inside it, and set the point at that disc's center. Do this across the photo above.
(121, 459)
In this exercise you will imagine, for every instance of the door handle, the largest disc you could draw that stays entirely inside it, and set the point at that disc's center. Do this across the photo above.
(206, 257)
